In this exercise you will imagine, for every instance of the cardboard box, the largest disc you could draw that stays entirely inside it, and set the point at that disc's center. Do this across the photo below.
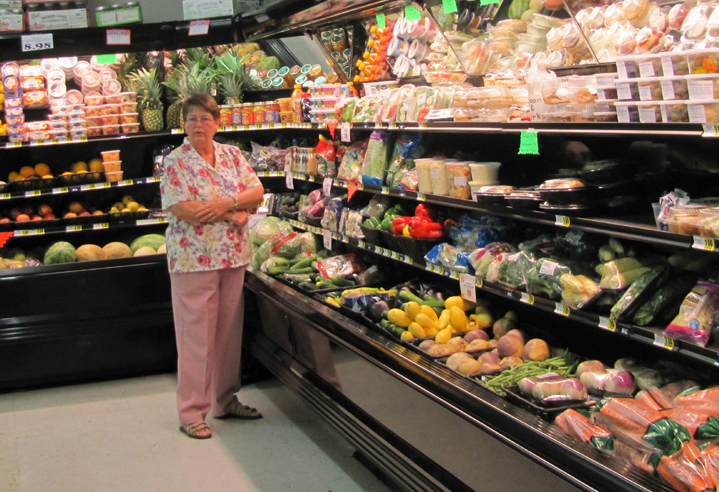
(12, 22)
(205, 9)
(48, 20)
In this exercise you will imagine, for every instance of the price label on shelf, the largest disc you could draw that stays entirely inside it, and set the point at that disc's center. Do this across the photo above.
(104, 185)
(36, 42)
(384, 190)
(664, 342)
(607, 324)
(13, 145)
(452, 274)
(177, 131)
(710, 130)
(361, 244)
(562, 221)
(30, 232)
(289, 182)
(118, 37)
(705, 243)
(60, 191)
(561, 309)
(73, 228)
(526, 298)
(126, 182)
(32, 193)
(103, 225)
(5, 196)
(394, 255)
(199, 27)
(327, 239)
(345, 132)
(468, 287)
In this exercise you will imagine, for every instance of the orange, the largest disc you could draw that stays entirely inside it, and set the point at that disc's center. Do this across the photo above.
(26, 171)
(14, 176)
(76, 207)
(79, 166)
(96, 165)
(42, 169)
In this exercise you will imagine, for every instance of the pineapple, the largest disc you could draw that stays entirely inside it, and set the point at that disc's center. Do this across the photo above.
(231, 88)
(174, 111)
(232, 77)
(148, 93)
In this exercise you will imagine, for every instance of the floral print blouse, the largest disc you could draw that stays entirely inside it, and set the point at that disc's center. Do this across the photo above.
(195, 247)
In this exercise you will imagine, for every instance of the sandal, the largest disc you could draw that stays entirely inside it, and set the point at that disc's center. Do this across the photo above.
(237, 410)
(196, 430)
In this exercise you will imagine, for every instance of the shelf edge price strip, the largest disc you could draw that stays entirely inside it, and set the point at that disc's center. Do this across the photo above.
(103, 225)
(526, 298)
(703, 243)
(73, 228)
(60, 191)
(5, 196)
(561, 309)
(607, 324)
(664, 342)
(32, 193)
(562, 221)
(30, 232)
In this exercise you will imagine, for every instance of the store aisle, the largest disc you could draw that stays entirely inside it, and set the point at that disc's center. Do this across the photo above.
(123, 436)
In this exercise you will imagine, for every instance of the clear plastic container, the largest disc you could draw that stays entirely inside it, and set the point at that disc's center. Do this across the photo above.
(627, 112)
(113, 98)
(110, 155)
(94, 100)
(627, 90)
(703, 61)
(110, 119)
(76, 124)
(703, 86)
(485, 173)
(94, 131)
(112, 166)
(458, 177)
(674, 88)
(108, 109)
(649, 112)
(674, 64)
(440, 179)
(674, 112)
(709, 222)
(424, 177)
(130, 127)
(705, 112)
(111, 129)
(684, 219)
(127, 118)
(74, 134)
(114, 176)
(127, 97)
(650, 66)
(650, 89)
(128, 107)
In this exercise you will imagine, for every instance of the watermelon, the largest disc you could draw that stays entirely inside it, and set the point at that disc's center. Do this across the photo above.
(269, 62)
(90, 252)
(154, 241)
(60, 252)
(517, 8)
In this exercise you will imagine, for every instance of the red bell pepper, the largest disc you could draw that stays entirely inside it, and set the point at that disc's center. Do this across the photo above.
(398, 224)
(426, 230)
(422, 211)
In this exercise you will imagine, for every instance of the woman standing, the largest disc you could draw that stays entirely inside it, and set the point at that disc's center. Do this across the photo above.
(208, 190)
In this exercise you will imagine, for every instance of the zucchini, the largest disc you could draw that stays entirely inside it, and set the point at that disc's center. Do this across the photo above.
(343, 282)
(301, 271)
(634, 293)
(303, 263)
(276, 270)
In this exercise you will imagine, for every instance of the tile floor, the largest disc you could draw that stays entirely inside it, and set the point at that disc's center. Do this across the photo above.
(123, 436)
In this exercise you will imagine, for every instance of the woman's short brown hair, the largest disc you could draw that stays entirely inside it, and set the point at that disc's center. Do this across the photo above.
(203, 101)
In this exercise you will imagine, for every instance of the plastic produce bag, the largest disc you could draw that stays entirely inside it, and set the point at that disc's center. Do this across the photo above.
(544, 278)
(332, 216)
(513, 271)
(325, 156)
(481, 258)
(266, 158)
(683, 470)
(578, 290)
(695, 321)
(375, 159)
(266, 228)
(407, 179)
(406, 146)
(351, 224)
(314, 206)
(351, 165)
(578, 426)
(368, 109)
(345, 109)
(309, 243)
(620, 274)
(666, 299)
(288, 246)
(634, 293)
(471, 232)
(376, 207)
(449, 257)
(339, 266)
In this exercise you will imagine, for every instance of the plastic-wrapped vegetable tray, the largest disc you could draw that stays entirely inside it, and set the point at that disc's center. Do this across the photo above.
(545, 411)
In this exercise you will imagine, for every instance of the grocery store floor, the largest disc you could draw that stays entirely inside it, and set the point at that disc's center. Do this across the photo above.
(123, 436)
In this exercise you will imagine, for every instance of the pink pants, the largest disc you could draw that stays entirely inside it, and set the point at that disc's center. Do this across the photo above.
(208, 310)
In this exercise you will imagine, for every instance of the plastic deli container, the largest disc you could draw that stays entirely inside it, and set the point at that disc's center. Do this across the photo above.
(112, 177)
(703, 61)
(110, 119)
(627, 112)
(424, 177)
(674, 88)
(110, 155)
(112, 166)
(94, 131)
(706, 112)
(438, 174)
(703, 87)
(128, 107)
(650, 89)
(627, 67)
(111, 129)
(130, 127)
(627, 91)
(674, 64)
(650, 66)
(458, 174)
(485, 172)
(607, 92)
(674, 111)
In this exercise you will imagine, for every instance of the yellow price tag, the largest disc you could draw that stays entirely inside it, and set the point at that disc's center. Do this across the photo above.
(704, 243)
(480, 283)
(74, 228)
(91, 186)
(526, 298)
(103, 225)
(385, 190)
(664, 342)
(607, 324)
(562, 221)
(32, 193)
(561, 309)
(5, 196)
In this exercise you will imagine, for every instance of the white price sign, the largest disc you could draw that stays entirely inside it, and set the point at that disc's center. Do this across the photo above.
(118, 37)
(327, 186)
(37, 42)
(199, 28)
(468, 287)
(288, 180)
(327, 239)
(345, 132)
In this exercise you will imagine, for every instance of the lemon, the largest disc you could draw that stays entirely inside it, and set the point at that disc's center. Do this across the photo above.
(42, 169)
(26, 171)
(133, 206)
(127, 199)
(14, 176)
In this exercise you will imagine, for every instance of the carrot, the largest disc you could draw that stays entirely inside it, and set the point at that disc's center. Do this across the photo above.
(682, 475)
(630, 413)
(632, 455)
(577, 425)
(709, 457)
(687, 418)
(647, 399)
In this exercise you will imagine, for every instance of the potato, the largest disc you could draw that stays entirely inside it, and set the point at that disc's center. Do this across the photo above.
(468, 367)
(489, 368)
(477, 344)
(536, 349)
(493, 344)
(426, 344)
(439, 350)
(476, 334)
(501, 327)
(590, 366)
(454, 360)
(457, 342)
(510, 346)
(509, 362)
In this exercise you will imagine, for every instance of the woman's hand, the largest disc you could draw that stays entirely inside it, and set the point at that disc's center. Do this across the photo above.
(240, 218)
(214, 210)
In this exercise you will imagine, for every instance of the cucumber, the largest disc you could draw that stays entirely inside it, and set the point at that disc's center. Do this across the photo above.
(277, 270)
(343, 282)
(304, 263)
(301, 270)
(307, 286)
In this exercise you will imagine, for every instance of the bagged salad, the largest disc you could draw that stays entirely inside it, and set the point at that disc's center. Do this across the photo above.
(405, 147)
(375, 159)
(696, 319)
(448, 256)
(351, 165)
(481, 258)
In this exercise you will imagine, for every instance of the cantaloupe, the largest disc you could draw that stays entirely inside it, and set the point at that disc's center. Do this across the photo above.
(162, 250)
(144, 251)
(117, 250)
(90, 252)
(60, 252)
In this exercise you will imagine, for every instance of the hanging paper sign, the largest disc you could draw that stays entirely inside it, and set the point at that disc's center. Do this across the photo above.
(528, 143)
(411, 13)
(345, 132)
(450, 6)
(381, 21)
(199, 27)
(36, 42)
(327, 186)
(468, 287)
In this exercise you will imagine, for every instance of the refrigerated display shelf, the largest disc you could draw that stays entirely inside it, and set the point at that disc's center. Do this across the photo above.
(579, 464)
(100, 226)
(84, 140)
(646, 335)
(79, 188)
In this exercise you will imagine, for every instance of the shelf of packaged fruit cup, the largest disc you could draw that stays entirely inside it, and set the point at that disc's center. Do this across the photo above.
(633, 230)
(646, 335)
(61, 190)
(82, 140)
(99, 226)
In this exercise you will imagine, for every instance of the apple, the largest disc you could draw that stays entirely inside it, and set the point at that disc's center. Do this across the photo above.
(36, 217)
(84, 213)
(14, 212)
(49, 216)
(44, 209)
(28, 210)
(22, 218)
(4, 220)
(70, 215)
